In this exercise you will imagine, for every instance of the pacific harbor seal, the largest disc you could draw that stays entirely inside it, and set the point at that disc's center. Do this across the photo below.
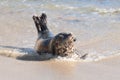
(62, 44)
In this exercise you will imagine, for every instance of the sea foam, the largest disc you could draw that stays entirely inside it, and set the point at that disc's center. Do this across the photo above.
(30, 54)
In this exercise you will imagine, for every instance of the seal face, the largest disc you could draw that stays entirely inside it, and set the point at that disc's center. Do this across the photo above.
(62, 44)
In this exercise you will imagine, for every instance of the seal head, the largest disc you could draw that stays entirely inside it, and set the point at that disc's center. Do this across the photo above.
(63, 44)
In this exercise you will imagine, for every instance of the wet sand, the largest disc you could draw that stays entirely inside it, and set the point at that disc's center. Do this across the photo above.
(12, 69)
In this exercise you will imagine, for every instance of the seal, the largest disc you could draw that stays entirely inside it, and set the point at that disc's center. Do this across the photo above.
(62, 44)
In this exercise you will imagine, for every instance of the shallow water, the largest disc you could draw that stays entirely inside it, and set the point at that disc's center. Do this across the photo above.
(95, 24)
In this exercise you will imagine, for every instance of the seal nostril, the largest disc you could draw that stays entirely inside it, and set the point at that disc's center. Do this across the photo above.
(66, 54)
(74, 39)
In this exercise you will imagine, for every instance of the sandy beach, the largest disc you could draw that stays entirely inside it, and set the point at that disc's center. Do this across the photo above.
(12, 69)
(94, 23)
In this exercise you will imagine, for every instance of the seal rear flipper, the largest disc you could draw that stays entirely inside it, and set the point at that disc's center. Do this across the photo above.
(36, 21)
(43, 22)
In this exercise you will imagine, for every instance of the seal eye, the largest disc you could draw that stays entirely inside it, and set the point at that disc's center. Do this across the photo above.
(61, 37)
(69, 34)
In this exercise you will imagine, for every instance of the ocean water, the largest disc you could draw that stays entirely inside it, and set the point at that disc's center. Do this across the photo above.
(95, 24)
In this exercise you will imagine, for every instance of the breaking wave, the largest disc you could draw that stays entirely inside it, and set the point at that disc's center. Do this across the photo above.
(105, 11)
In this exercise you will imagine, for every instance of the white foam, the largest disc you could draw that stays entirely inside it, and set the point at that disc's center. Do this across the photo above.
(30, 54)
(95, 56)
(65, 7)
(111, 10)
(73, 57)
